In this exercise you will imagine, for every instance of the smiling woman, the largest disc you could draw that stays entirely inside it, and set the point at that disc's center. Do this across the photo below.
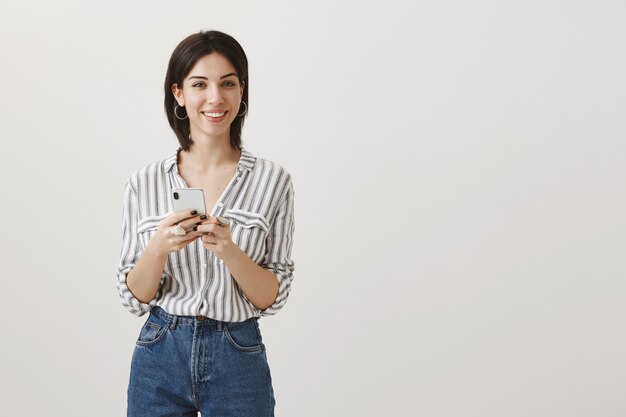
(201, 86)
(205, 289)
(212, 65)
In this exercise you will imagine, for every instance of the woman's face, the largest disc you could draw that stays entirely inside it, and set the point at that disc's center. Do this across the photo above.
(211, 87)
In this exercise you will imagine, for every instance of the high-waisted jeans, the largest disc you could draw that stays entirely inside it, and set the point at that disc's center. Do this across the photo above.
(185, 364)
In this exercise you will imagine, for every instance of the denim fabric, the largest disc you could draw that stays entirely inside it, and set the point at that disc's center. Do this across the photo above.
(185, 364)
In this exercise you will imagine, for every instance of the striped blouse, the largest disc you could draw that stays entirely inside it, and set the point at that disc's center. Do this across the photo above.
(259, 201)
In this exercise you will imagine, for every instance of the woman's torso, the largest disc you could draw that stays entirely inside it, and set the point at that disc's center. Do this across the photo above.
(248, 193)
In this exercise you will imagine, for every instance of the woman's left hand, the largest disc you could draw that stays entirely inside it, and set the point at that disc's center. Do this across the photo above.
(216, 237)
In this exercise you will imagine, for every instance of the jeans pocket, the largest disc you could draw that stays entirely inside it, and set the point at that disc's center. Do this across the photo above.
(152, 331)
(245, 336)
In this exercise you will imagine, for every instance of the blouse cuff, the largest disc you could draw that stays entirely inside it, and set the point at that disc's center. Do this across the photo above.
(129, 301)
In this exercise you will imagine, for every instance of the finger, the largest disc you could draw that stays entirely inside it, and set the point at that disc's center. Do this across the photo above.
(185, 240)
(189, 235)
(220, 221)
(210, 220)
(188, 224)
(207, 227)
(179, 216)
(214, 230)
(223, 221)
(210, 239)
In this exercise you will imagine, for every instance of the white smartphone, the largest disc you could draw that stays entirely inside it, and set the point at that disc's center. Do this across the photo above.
(188, 199)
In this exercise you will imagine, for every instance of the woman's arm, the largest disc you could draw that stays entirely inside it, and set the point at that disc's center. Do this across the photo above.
(259, 285)
(267, 285)
(144, 279)
(137, 271)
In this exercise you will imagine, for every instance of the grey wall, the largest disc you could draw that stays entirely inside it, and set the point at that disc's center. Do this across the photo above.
(459, 172)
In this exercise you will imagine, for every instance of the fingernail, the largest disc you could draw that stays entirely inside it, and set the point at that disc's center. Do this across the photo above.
(194, 212)
(203, 217)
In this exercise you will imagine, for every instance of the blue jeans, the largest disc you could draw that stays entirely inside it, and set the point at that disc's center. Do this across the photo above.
(185, 364)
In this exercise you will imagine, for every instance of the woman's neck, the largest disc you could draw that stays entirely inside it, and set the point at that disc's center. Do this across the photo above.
(203, 160)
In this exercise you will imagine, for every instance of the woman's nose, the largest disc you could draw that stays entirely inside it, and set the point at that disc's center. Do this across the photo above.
(213, 94)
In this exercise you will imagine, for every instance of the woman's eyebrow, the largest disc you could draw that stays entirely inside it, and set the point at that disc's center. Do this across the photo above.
(205, 78)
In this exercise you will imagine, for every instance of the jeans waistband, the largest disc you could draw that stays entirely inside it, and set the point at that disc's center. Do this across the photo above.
(174, 319)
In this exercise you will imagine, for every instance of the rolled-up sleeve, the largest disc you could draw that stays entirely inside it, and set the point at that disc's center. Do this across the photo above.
(130, 253)
(279, 243)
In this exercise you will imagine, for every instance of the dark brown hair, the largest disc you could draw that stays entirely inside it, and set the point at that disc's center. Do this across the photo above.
(183, 59)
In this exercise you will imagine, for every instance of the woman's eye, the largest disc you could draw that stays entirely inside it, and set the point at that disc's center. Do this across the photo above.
(226, 83)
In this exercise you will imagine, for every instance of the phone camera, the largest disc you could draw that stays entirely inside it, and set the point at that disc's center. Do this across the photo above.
(175, 196)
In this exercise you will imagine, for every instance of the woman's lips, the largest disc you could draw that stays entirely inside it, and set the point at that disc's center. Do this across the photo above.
(215, 119)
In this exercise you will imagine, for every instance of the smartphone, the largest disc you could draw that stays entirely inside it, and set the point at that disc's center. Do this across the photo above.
(188, 199)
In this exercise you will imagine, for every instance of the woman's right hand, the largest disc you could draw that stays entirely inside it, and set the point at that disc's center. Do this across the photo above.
(164, 242)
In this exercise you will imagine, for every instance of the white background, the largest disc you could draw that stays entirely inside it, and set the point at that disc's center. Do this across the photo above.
(459, 174)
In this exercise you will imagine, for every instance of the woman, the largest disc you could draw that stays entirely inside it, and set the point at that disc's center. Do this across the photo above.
(200, 348)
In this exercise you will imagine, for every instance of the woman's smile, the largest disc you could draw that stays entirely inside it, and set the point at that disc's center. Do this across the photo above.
(212, 96)
(214, 117)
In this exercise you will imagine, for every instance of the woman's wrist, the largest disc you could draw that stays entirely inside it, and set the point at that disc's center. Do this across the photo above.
(154, 251)
(230, 253)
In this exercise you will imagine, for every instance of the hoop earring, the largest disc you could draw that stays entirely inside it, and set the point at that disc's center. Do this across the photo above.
(246, 110)
(176, 114)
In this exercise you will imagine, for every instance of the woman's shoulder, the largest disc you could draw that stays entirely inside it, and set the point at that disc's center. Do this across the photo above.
(265, 164)
(153, 170)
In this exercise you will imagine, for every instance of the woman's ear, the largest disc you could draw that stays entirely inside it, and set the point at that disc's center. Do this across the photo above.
(178, 95)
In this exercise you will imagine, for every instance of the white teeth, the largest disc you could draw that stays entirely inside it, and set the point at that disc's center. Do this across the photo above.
(215, 114)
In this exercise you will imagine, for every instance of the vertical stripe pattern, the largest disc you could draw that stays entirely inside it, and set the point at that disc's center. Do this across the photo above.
(259, 201)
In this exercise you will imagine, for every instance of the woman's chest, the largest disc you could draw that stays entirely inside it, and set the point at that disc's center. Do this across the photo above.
(243, 203)
(213, 186)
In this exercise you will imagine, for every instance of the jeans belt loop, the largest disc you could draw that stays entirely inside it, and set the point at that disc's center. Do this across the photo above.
(173, 322)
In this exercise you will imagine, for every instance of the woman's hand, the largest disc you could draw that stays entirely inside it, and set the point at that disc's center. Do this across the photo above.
(216, 237)
(165, 243)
